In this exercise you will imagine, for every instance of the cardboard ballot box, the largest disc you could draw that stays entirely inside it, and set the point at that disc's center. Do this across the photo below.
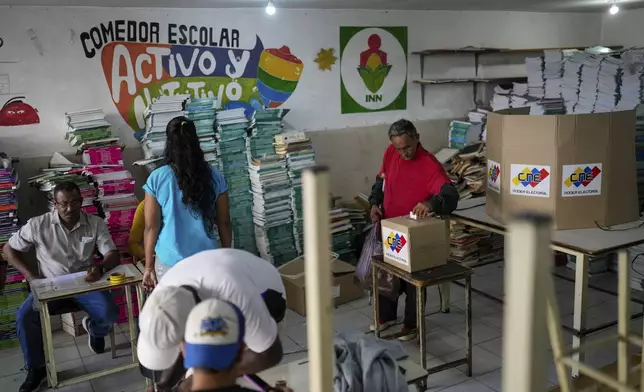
(343, 288)
(580, 169)
(415, 245)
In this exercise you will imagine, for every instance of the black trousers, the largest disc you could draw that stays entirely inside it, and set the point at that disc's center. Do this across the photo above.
(388, 308)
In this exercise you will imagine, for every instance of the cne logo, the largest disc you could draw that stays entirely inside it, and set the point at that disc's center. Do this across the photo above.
(493, 173)
(530, 177)
(396, 242)
(582, 177)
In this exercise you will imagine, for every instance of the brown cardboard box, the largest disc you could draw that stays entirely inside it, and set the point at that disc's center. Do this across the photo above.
(415, 245)
(580, 169)
(343, 290)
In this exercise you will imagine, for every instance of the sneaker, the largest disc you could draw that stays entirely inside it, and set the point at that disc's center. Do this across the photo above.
(96, 345)
(35, 379)
(382, 325)
(409, 334)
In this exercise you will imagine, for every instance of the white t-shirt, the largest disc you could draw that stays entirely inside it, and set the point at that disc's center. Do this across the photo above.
(235, 276)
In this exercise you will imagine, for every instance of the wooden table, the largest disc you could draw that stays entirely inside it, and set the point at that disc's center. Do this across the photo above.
(582, 244)
(446, 273)
(47, 293)
(296, 375)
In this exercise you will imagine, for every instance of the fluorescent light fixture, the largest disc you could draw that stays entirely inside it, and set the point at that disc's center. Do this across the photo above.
(270, 8)
(612, 10)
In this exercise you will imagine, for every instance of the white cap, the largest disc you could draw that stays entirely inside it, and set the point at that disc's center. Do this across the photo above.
(214, 335)
(162, 322)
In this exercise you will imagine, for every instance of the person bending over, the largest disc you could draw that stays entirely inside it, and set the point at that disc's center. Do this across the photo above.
(213, 346)
(410, 180)
(65, 240)
(186, 201)
(252, 284)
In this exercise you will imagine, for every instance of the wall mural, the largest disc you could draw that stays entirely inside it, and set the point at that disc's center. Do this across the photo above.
(326, 59)
(373, 69)
(17, 112)
(200, 61)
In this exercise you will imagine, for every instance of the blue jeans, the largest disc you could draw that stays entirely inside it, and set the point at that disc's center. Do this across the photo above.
(99, 306)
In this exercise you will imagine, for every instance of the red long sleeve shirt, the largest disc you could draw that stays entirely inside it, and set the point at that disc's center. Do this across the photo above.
(409, 182)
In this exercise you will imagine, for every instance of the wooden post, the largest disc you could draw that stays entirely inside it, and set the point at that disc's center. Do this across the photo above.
(319, 310)
(528, 263)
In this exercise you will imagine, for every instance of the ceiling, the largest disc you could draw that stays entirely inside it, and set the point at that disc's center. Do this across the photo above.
(472, 5)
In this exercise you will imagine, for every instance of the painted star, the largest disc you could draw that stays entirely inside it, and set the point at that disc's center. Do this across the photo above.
(326, 59)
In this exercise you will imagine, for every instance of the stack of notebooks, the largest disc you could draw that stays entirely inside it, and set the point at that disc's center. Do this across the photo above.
(536, 82)
(231, 131)
(463, 133)
(478, 118)
(157, 115)
(342, 234)
(297, 149)
(548, 106)
(552, 73)
(632, 80)
(467, 171)
(571, 81)
(272, 212)
(15, 290)
(202, 113)
(608, 84)
(88, 128)
(264, 125)
(589, 84)
(510, 96)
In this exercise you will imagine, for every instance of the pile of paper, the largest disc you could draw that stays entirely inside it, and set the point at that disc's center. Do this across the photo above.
(608, 84)
(297, 149)
(572, 80)
(589, 84)
(157, 116)
(478, 118)
(202, 113)
(272, 211)
(15, 291)
(552, 73)
(342, 234)
(88, 128)
(632, 80)
(264, 125)
(231, 133)
(548, 106)
(536, 82)
(463, 133)
(467, 171)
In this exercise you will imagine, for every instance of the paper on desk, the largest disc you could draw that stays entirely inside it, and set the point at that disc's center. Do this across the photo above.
(70, 281)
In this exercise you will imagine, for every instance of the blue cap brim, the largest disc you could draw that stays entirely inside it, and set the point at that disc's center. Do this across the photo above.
(211, 357)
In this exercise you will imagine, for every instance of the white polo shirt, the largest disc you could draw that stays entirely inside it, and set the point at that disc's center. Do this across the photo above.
(235, 276)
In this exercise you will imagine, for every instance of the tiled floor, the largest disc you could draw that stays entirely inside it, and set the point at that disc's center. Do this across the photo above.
(445, 340)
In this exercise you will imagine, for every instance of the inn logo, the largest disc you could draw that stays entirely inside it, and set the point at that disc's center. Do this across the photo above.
(142, 61)
(530, 180)
(396, 242)
(373, 69)
(493, 176)
(581, 180)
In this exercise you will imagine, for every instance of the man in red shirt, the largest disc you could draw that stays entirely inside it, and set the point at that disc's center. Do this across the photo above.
(410, 180)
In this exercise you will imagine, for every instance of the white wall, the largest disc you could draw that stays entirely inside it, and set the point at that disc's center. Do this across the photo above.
(625, 28)
(62, 79)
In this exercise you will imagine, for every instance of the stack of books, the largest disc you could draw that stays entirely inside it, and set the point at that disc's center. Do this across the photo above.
(202, 113)
(231, 134)
(15, 290)
(478, 118)
(589, 83)
(467, 171)
(342, 234)
(463, 133)
(272, 212)
(571, 82)
(608, 84)
(553, 73)
(632, 79)
(536, 82)
(264, 125)
(297, 149)
(157, 116)
(548, 106)
(88, 128)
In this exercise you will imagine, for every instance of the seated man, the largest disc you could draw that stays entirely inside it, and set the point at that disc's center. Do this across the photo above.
(214, 345)
(65, 240)
(250, 283)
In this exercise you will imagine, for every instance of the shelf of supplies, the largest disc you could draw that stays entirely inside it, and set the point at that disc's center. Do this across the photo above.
(474, 81)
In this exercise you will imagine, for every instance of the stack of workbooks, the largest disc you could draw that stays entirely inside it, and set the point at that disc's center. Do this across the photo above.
(202, 113)
(157, 116)
(462, 133)
(297, 149)
(264, 125)
(231, 131)
(536, 81)
(15, 290)
(88, 128)
(272, 213)
(342, 234)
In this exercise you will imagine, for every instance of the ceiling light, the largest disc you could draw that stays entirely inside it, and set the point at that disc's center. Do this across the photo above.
(270, 8)
(612, 10)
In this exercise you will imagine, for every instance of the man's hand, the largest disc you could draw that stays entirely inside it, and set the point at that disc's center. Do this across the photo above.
(94, 273)
(376, 214)
(422, 210)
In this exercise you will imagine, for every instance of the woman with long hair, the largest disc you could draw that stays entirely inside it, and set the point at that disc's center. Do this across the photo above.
(186, 201)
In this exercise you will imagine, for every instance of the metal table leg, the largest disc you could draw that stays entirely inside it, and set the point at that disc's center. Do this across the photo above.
(446, 297)
(420, 316)
(48, 345)
(374, 292)
(130, 318)
(581, 305)
(623, 316)
(468, 322)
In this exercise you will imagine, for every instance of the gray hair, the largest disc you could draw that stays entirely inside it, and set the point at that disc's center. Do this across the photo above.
(402, 127)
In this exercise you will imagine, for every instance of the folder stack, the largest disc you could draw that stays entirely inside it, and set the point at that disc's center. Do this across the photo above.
(264, 125)
(272, 211)
(202, 113)
(157, 115)
(342, 234)
(230, 132)
(88, 128)
(297, 149)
